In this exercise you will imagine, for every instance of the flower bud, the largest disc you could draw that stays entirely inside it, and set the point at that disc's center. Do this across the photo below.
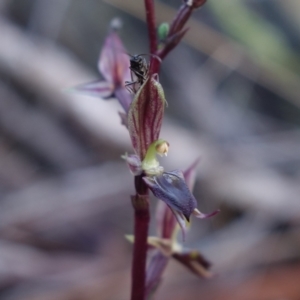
(163, 31)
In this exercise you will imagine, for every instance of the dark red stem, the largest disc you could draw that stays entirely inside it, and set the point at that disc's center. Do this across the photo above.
(140, 203)
(150, 19)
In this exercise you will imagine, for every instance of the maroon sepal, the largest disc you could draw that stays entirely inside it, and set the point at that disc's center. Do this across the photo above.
(113, 64)
(145, 116)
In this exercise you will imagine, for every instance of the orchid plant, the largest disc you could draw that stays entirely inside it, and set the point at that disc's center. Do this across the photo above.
(137, 88)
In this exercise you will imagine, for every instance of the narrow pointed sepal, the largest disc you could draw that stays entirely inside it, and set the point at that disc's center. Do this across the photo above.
(182, 222)
(190, 174)
(113, 61)
(198, 214)
(165, 220)
(99, 89)
(155, 269)
(145, 116)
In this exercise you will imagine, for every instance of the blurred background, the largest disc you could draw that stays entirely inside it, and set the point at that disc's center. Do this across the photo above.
(233, 89)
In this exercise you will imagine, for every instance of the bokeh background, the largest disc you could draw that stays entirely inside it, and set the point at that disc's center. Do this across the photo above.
(233, 89)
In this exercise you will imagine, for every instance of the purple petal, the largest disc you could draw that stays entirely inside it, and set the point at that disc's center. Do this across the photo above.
(113, 62)
(155, 269)
(198, 214)
(171, 188)
(190, 174)
(145, 116)
(101, 89)
(165, 220)
(181, 221)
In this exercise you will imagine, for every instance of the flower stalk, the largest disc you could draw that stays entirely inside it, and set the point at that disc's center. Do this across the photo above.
(140, 204)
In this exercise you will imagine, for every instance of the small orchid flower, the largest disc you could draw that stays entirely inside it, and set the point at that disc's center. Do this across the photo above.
(165, 245)
(114, 66)
(170, 187)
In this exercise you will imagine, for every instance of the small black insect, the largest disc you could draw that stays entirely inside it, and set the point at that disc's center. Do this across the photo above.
(139, 71)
